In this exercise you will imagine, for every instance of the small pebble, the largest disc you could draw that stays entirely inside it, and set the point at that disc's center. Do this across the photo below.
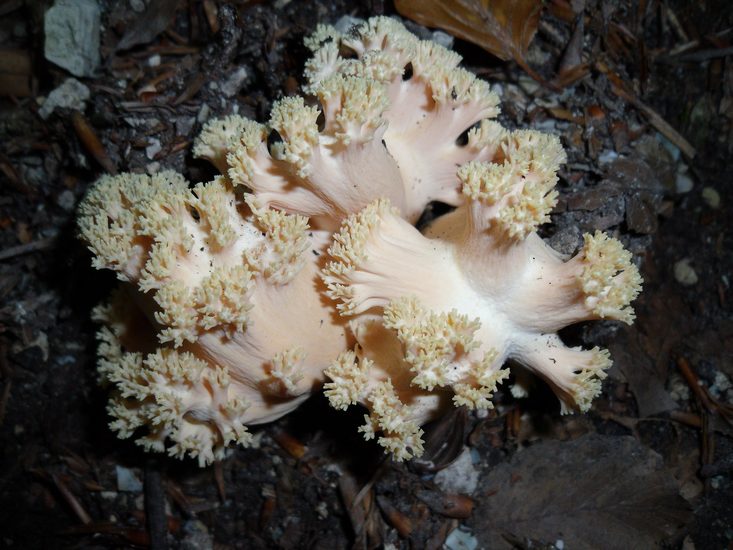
(231, 86)
(153, 149)
(196, 536)
(203, 114)
(442, 38)
(66, 200)
(711, 197)
(460, 539)
(683, 183)
(346, 23)
(71, 94)
(684, 273)
(460, 476)
(127, 480)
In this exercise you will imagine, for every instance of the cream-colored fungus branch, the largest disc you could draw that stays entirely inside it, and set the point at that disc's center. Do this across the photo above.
(301, 261)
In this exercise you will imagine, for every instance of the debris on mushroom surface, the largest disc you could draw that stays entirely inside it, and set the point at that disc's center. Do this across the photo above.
(251, 309)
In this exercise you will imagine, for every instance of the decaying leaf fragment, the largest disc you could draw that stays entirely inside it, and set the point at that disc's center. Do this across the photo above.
(504, 28)
(593, 492)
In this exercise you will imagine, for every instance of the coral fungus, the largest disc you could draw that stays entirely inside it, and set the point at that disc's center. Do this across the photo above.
(301, 262)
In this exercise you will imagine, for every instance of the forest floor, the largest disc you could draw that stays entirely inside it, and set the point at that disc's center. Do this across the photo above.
(641, 94)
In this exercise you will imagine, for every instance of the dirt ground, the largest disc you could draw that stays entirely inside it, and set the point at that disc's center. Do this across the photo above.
(641, 94)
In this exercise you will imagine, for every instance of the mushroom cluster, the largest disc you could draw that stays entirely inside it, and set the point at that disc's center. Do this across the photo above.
(301, 264)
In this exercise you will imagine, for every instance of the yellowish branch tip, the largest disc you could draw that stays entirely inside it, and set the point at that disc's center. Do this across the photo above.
(219, 136)
(349, 249)
(518, 193)
(479, 393)
(110, 218)
(380, 33)
(298, 127)
(286, 371)
(213, 205)
(349, 377)
(400, 436)
(586, 384)
(280, 256)
(180, 399)
(322, 35)
(433, 342)
(353, 107)
(609, 279)
(241, 156)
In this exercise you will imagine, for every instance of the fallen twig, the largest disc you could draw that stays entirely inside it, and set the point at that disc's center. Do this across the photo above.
(71, 500)
(655, 119)
(157, 522)
(21, 249)
(91, 142)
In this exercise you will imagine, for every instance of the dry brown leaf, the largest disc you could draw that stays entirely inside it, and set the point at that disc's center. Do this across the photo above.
(594, 492)
(504, 28)
(153, 21)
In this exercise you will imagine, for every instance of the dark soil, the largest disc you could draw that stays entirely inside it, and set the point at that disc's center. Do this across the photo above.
(656, 71)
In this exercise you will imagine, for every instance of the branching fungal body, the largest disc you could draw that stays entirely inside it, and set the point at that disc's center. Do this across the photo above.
(301, 262)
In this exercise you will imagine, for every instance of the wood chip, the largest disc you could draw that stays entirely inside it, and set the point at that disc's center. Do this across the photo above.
(91, 142)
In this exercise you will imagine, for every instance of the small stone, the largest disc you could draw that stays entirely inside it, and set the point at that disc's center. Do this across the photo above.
(711, 197)
(565, 241)
(71, 94)
(662, 157)
(641, 212)
(610, 214)
(678, 389)
(683, 183)
(154, 60)
(442, 38)
(231, 86)
(203, 114)
(66, 200)
(460, 477)
(127, 480)
(346, 23)
(721, 386)
(529, 85)
(71, 30)
(196, 536)
(592, 198)
(153, 148)
(633, 173)
(607, 156)
(184, 125)
(684, 273)
(137, 6)
(460, 539)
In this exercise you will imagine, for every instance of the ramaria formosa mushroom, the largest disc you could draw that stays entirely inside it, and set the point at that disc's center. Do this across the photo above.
(230, 291)
(480, 286)
(461, 300)
(241, 295)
